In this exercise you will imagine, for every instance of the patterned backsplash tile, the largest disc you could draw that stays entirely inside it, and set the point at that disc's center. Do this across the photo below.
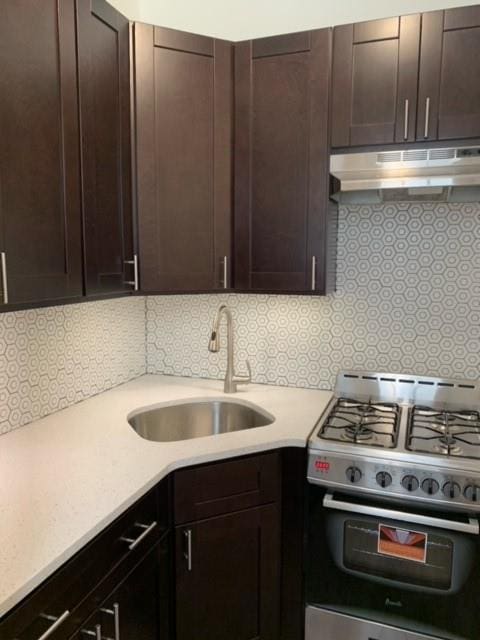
(408, 300)
(51, 358)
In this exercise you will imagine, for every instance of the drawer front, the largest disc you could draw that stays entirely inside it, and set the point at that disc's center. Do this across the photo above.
(224, 487)
(124, 541)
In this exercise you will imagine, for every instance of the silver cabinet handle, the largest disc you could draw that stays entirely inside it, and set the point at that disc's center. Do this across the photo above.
(314, 273)
(330, 502)
(115, 612)
(188, 553)
(407, 112)
(97, 634)
(134, 282)
(225, 272)
(427, 117)
(57, 621)
(133, 542)
(3, 258)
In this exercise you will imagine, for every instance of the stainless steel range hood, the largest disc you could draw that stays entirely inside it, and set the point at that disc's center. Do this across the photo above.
(430, 175)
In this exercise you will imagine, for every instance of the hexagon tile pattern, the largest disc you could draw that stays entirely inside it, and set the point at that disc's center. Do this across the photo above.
(53, 357)
(407, 300)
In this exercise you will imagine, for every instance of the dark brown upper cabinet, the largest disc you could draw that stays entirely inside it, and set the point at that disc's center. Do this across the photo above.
(104, 88)
(284, 221)
(374, 89)
(449, 87)
(40, 221)
(183, 89)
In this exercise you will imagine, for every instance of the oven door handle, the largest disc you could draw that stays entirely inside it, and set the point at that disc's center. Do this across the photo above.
(330, 502)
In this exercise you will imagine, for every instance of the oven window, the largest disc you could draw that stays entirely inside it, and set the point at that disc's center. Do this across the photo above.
(376, 549)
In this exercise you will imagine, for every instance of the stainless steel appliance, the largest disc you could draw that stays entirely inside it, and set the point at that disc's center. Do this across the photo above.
(441, 174)
(394, 491)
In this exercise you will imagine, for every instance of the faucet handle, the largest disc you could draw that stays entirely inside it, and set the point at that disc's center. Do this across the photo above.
(245, 379)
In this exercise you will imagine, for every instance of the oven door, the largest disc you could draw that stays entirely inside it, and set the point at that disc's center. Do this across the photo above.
(414, 574)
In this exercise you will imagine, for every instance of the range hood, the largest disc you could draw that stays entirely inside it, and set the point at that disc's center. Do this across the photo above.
(430, 175)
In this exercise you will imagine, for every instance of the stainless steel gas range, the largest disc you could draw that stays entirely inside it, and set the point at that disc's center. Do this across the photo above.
(393, 540)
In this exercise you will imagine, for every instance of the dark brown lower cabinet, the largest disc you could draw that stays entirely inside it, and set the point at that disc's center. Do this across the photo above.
(228, 576)
(138, 608)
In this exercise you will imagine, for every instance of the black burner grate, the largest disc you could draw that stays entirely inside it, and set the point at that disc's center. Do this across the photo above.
(451, 433)
(368, 423)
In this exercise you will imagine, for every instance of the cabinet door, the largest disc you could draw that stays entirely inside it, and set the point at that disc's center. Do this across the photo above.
(282, 218)
(449, 87)
(104, 71)
(227, 577)
(183, 86)
(138, 609)
(40, 222)
(375, 73)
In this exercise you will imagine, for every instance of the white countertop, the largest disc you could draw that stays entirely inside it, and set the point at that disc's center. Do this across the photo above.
(65, 477)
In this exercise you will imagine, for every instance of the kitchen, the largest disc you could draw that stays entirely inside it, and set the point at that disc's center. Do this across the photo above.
(210, 247)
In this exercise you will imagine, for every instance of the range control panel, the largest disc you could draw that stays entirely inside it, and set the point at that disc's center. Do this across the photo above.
(395, 478)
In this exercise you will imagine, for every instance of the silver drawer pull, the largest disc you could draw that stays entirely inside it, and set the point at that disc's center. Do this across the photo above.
(427, 117)
(134, 282)
(97, 634)
(188, 553)
(314, 273)
(407, 111)
(330, 502)
(225, 272)
(133, 542)
(115, 612)
(57, 621)
(3, 259)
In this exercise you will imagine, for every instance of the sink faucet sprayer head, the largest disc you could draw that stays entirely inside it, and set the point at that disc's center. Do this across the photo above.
(214, 344)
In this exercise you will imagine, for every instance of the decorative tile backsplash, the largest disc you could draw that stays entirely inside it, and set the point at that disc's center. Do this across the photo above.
(408, 300)
(51, 358)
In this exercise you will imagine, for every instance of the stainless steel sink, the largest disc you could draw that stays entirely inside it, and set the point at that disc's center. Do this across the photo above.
(194, 419)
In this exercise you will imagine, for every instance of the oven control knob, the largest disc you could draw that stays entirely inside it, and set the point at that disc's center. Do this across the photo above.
(451, 490)
(354, 474)
(410, 483)
(472, 492)
(430, 486)
(384, 479)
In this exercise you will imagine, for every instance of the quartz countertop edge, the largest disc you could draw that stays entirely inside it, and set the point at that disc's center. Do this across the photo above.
(66, 477)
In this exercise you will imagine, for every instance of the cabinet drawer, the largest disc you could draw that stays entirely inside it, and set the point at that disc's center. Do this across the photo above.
(224, 487)
(124, 541)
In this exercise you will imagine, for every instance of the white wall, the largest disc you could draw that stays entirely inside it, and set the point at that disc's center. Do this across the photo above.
(245, 19)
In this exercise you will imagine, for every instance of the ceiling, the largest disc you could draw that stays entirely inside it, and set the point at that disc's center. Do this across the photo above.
(244, 19)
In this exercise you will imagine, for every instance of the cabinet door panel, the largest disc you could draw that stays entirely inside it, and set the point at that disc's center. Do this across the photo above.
(449, 95)
(232, 589)
(40, 223)
(141, 601)
(103, 48)
(281, 162)
(183, 105)
(462, 18)
(375, 72)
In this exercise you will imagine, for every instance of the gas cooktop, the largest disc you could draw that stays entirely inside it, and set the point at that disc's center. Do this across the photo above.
(409, 437)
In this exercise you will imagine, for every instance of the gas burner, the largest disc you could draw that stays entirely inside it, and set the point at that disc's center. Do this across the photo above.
(368, 423)
(450, 433)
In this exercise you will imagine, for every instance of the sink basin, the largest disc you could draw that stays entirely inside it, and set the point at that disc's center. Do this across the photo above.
(196, 418)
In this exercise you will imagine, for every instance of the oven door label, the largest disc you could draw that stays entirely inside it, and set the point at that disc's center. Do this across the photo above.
(402, 543)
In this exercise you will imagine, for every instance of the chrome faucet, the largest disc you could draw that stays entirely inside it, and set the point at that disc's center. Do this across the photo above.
(231, 380)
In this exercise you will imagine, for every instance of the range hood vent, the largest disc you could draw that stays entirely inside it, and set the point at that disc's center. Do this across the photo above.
(427, 175)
